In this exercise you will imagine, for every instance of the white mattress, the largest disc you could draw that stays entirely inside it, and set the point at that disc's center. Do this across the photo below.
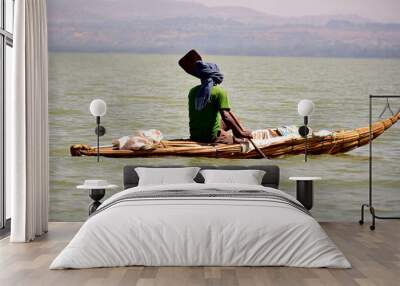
(200, 231)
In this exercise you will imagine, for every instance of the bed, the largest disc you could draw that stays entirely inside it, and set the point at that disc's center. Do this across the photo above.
(197, 224)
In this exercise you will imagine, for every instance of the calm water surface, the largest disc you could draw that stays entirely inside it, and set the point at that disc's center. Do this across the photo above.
(149, 91)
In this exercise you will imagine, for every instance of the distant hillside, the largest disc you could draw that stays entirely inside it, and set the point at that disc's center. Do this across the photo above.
(168, 26)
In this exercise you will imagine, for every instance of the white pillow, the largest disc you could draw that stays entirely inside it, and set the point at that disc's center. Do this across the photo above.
(248, 177)
(166, 176)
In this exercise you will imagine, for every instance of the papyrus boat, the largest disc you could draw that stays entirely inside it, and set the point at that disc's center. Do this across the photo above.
(339, 141)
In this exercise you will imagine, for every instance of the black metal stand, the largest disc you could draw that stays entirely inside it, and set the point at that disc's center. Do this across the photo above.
(96, 195)
(303, 131)
(98, 137)
(100, 131)
(370, 202)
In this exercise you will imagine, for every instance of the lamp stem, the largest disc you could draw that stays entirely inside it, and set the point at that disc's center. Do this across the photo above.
(306, 141)
(98, 138)
(305, 150)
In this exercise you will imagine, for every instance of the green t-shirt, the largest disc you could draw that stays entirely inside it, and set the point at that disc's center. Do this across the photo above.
(204, 124)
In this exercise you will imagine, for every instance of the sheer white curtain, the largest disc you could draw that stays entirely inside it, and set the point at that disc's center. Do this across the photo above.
(27, 122)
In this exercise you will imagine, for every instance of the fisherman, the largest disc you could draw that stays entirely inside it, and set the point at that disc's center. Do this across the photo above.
(210, 115)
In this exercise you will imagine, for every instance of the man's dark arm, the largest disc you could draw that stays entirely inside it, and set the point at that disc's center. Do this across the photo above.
(233, 123)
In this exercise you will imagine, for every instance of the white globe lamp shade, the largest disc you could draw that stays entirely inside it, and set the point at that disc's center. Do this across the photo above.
(305, 107)
(98, 107)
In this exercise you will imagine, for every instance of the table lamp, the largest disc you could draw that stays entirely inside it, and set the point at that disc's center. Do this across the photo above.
(305, 108)
(98, 108)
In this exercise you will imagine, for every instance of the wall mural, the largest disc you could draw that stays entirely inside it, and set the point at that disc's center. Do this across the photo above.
(135, 78)
(216, 131)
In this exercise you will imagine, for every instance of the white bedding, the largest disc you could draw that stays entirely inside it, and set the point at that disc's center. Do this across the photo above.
(200, 231)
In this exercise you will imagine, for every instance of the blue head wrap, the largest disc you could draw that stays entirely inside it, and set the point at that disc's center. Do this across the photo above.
(209, 75)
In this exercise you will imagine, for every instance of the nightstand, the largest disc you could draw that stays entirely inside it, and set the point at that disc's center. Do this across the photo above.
(304, 190)
(97, 190)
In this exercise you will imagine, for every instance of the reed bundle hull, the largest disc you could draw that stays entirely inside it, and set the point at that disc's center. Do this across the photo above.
(342, 141)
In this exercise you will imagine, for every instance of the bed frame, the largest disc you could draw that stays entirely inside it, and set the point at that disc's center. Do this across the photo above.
(271, 177)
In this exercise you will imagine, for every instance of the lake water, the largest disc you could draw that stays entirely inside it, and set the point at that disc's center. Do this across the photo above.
(149, 91)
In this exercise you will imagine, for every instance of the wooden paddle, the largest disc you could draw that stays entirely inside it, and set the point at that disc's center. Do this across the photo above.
(251, 140)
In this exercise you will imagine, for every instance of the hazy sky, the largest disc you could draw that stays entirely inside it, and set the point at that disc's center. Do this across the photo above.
(381, 10)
